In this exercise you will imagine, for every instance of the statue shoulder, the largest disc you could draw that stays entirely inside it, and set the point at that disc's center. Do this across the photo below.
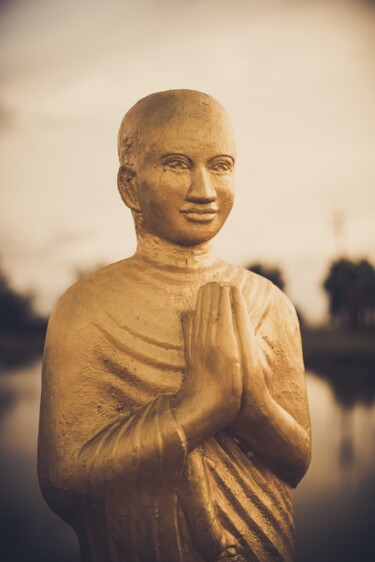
(281, 318)
(283, 306)
(84, 299)
(266, 302)
(257, 291)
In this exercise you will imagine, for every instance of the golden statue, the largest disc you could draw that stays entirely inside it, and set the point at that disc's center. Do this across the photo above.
(174, 420)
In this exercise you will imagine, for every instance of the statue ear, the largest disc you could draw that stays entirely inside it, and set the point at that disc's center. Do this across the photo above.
(127, 187)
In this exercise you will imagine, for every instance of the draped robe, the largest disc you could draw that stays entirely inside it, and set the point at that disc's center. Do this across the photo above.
(113, 461)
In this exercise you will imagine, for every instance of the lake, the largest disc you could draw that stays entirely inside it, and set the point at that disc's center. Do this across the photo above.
(334, 504)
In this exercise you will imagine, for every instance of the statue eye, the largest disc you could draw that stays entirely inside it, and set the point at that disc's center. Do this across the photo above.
(221, 166)
(177, 163)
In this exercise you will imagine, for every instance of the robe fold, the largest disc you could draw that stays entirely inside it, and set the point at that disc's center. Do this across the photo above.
(113, 461)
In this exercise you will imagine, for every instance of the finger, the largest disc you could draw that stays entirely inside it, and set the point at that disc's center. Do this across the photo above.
(205, 306)
(245, 332)
(225, 310)
(226, 329)
(214, 313)
(198, 315)
(187, 328)
(240, 313)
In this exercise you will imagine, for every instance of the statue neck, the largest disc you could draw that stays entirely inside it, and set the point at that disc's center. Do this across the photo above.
(164, 253)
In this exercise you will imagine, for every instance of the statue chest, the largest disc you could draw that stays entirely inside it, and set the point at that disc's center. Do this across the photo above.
(141, 346)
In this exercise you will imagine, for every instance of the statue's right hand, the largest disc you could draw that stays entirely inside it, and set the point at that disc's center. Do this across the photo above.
(212, 388)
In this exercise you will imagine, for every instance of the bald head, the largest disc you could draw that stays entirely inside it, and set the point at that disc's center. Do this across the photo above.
(147, 121)
(177, 156)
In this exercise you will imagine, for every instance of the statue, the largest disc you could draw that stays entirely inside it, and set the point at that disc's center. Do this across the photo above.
(174, 420)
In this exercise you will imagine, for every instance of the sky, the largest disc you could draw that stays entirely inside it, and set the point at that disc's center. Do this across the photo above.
(297, 78)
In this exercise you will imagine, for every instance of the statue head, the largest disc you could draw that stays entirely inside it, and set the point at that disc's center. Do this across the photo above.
(177, 155)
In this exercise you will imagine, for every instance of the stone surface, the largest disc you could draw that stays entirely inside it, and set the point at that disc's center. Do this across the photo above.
(174, 421)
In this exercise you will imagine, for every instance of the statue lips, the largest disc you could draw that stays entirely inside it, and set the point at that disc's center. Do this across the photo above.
(201, 214)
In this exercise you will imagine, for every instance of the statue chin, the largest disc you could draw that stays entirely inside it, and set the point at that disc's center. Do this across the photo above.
(200, 233)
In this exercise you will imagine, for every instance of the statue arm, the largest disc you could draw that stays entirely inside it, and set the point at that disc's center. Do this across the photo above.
(90, 441)
(273, 422)
(87, 442)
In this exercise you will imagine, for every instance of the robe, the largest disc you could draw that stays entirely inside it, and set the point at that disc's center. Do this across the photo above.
(113, 461)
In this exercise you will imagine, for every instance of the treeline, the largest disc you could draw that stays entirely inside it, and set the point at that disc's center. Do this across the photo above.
(17, 315)
(22, 330)
(350, 288)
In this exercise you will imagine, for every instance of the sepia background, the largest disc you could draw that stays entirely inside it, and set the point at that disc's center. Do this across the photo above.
(298, 80)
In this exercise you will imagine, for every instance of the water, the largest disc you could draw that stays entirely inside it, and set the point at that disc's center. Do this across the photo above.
(29, 531)
(334, 505)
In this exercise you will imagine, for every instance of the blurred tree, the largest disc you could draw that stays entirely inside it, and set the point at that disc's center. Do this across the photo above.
(272, 273)
(351, 292)
(16, 310)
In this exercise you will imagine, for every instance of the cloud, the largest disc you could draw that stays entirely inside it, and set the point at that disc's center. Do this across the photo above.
(295, 77)
(8, 117)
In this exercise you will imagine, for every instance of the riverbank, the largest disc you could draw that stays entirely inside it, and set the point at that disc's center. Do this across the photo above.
(345, 358)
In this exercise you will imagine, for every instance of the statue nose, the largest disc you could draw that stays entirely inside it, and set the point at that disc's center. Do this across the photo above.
(201, 188)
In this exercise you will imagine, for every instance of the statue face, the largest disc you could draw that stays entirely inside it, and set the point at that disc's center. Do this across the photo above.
(184, 178)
